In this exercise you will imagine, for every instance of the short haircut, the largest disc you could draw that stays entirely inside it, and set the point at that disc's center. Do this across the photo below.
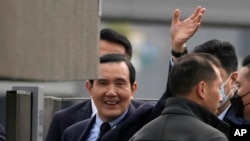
(115, 37)
(223, 51)
(190, 70)
(246, 63)
(118, 58)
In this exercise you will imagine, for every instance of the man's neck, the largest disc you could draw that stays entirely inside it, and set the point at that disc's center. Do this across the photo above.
(223, 108)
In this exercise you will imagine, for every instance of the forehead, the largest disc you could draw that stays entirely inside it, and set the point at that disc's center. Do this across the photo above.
(243, 74)
(114, 70)
(109, 47)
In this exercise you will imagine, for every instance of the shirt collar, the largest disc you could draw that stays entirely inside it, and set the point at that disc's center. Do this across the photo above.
(112, 123)
(222, 115)
(93, 107)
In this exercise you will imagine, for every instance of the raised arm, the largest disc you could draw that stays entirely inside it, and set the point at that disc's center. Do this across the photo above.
(182, 31)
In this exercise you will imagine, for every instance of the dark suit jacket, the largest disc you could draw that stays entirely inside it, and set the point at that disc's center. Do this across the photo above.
(80, 130)
(69, 116)
(2, 133)
(64, 118)
(123, 131)
(231, 119)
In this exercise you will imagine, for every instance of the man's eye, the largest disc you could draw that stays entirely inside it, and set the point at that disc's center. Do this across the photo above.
(102, 83)
(119, 83)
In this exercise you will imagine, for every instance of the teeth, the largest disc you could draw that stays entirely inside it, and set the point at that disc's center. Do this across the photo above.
(111, 102)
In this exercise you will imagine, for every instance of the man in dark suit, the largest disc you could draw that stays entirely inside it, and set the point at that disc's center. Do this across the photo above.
(111, 93)
(110, 41)
(2, 133)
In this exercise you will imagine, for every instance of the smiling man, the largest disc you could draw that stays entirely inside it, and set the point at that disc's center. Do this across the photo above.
(110, 42)
(112, 94)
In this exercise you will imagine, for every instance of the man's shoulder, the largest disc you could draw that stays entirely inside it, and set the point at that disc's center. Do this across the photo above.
(190, 127)
(205, 130)
(137, 103)
(74, 108)
(138, 117)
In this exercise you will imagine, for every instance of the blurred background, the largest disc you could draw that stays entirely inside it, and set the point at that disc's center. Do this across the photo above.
(146, 23)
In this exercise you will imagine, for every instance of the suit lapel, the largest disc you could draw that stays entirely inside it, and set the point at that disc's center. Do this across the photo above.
(86, 131)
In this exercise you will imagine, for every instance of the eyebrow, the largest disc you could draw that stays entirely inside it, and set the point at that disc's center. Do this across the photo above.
(101, 79)
(120, 79)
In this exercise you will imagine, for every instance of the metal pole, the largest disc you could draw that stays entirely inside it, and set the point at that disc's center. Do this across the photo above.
(37, 111)
(18, 116)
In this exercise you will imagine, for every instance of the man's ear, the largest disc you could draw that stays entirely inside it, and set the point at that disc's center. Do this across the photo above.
(234, 77)
(88, 86)
(134, 89)
(201, 89)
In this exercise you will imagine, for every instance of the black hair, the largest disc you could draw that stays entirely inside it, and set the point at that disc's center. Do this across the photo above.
(113, 36)
(223, 51)
(190, 70)
(246, 63)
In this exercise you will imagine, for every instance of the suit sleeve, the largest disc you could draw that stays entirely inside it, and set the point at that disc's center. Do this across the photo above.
(2, 133)
(54, 130)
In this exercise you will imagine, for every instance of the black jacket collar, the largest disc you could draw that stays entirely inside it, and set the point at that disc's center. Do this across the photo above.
(183, 106)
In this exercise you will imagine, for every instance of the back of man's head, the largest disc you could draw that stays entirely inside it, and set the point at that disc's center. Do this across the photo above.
(113, 36)
(223, 51)
(190, 70)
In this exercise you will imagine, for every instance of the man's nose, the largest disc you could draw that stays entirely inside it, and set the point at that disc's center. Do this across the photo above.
(111, 90)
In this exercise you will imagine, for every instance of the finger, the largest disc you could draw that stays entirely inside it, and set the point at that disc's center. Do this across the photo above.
(196, 12)
(203, 10)
(176, 16)
(199, 17)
